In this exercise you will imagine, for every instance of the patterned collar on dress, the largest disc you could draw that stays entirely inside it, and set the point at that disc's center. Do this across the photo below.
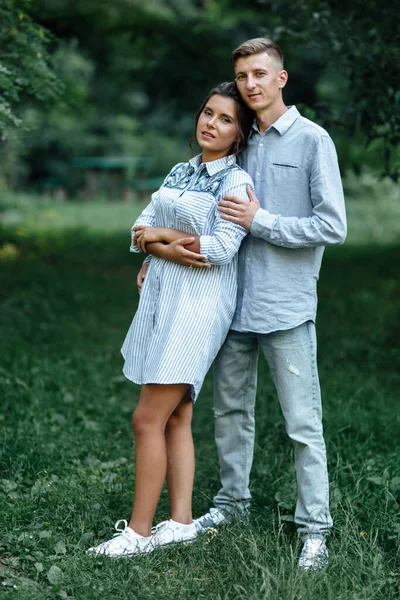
(284, 122)
(213, 166)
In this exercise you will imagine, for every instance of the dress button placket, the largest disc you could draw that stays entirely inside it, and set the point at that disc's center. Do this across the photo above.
(192, 180)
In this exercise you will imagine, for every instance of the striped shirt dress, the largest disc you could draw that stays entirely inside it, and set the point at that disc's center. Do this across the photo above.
(184, 314)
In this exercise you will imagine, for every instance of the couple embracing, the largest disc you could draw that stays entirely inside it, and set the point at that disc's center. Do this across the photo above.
(235, 239)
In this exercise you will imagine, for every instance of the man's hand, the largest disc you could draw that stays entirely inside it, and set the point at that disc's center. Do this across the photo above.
(178, 253)
(141, 275)
(238, 210)
(145, 235)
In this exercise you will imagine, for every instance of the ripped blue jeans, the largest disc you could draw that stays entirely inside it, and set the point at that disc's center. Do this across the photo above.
(292, 360)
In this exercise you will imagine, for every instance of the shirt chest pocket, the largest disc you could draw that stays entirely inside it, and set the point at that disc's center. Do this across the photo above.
(284, 166)
(193, 211)
(287, 187)
(285, 163)
(281, 169)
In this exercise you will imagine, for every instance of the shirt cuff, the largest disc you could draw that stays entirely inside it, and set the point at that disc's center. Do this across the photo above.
(263, 223)
(133, 247)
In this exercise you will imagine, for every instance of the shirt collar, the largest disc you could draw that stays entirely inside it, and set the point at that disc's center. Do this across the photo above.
(284, 122)
(213, 166)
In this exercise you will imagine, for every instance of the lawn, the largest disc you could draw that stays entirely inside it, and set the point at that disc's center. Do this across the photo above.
(67, 297)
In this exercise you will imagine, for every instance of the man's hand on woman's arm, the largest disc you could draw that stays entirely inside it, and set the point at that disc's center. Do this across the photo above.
(239, 210)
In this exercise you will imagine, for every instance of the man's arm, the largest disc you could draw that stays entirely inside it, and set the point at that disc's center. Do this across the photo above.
(327, 224)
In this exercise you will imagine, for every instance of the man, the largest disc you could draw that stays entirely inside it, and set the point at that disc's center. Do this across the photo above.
(298, 209)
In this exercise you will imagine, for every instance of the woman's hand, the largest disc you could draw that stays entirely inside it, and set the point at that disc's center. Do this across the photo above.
(177, 252)
(141, 276)
(145, 235)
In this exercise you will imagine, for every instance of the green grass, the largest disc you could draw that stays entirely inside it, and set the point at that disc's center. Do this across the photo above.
(67, 297)
(373, 210)
(29, 214)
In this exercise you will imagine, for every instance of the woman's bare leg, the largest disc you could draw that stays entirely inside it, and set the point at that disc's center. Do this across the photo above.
(156, 404)
(180, 451)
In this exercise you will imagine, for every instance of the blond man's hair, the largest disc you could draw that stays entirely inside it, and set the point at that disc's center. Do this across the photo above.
(257, 46)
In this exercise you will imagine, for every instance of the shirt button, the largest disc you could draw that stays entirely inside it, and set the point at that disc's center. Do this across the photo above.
(258, 173)
(248, 260)
(261, 145)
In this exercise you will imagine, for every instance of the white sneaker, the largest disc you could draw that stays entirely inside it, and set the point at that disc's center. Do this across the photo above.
(314, 554)
(125, 542)
(172, 532)
(212, 519)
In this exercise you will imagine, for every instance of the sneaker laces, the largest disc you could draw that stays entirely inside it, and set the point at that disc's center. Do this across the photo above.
(121, 532)
(205, 519)
(159, 527)
(127, 534)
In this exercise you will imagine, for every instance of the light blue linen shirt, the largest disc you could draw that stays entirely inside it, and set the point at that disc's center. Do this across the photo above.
(296, 175)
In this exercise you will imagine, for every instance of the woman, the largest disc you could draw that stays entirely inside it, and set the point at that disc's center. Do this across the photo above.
(183, 317)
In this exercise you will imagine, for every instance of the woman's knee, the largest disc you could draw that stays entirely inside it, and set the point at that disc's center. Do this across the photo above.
(144, 420)
(152, 413)
(136, 421)
(175, 422)
(181, 417)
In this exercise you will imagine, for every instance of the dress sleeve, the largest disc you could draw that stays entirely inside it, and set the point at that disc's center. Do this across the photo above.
(221, 246)
(147, 217)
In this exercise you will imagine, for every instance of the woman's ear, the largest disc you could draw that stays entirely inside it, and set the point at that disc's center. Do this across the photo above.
(234, 147)
(238, 144)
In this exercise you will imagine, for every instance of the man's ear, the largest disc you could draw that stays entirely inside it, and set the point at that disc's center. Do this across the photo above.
(282, 78)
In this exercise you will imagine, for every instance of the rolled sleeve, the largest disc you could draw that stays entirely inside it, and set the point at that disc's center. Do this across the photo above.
(147, 217)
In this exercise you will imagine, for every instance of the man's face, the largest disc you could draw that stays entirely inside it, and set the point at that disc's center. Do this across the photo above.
(260, 79)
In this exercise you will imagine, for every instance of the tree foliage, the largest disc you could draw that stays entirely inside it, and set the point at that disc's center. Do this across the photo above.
(133, 72)
(26, 69)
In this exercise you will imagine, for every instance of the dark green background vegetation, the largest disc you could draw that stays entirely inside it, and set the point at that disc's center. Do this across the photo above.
(100, 78)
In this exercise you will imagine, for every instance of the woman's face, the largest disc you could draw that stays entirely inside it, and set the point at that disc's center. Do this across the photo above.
(217, 127)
